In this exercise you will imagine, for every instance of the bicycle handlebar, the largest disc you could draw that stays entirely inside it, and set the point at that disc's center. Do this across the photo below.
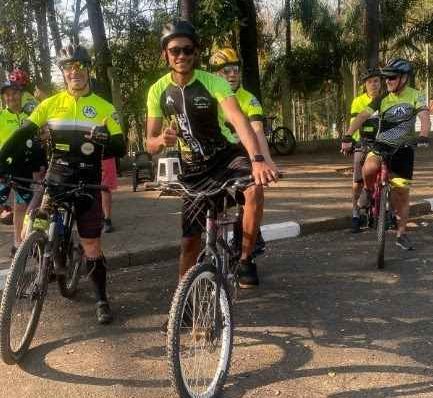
(235, 183)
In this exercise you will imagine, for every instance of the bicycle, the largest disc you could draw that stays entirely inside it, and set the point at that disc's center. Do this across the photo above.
(280, 138)
(51, 248)
(200, 325)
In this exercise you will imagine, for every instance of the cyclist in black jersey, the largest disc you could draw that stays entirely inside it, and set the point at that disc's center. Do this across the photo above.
(83, 127)
(196, 104)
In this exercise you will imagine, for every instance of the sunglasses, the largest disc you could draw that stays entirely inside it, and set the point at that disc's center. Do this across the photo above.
(392, 78)
(176, 51)
(77, 66)
(230, 69)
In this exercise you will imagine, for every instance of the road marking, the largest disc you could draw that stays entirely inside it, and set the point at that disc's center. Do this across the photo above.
(289, 229)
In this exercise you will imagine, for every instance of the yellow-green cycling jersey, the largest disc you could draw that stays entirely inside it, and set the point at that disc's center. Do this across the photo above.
(9, 122)
(369, 128)
(397, 114)
(250, 107)
(70, 120)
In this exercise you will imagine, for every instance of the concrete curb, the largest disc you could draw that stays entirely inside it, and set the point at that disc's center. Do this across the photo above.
(270, 232)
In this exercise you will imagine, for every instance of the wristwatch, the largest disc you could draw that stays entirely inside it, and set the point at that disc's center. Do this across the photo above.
(258, 158)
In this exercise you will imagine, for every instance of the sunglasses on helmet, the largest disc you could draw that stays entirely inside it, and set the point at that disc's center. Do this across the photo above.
(176, 51)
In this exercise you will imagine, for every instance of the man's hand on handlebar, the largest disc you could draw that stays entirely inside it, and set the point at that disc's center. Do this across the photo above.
(263, 173)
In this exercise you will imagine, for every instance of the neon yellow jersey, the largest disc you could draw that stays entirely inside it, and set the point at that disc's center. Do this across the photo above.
(200, 121)
(369, 128)
(398, 115)
(28, 102)
(250, 107)
(9, 122)
(70, 120)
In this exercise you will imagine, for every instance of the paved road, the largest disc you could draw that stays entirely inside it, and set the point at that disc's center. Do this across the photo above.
(324, 323)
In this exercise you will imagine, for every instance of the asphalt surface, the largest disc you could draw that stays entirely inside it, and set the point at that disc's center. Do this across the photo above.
(324, 323)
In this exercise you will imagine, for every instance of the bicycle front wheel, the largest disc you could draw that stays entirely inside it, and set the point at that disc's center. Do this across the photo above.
(283, 141)
(68, 282)
(381, 227)
(200, 333)
(23, 298)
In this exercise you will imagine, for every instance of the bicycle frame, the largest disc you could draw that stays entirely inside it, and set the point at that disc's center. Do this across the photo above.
(382, 181)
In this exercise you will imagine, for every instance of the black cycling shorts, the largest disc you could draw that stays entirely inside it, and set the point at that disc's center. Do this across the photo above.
(231, 164)
(402, 163)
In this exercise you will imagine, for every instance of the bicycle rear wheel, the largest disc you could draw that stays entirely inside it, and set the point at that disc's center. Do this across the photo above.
(381, 227)
(200, 333)
(23, 298)
(68, 282)
(283, 141)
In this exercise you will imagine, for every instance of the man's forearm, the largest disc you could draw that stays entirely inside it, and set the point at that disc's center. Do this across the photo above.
(263, 143)
(154, 144)
(247, 136)
(357, 122)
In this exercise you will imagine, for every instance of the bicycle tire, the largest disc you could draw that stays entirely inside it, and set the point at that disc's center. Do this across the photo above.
(283, 141)
(68, 283)
(177, 370)
(9, 354)
(381, 228)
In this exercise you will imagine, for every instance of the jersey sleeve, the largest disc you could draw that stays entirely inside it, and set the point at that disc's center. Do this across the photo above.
(113, 122)
(221, 90)
(420, 102)
(39, 115)
(154, 102)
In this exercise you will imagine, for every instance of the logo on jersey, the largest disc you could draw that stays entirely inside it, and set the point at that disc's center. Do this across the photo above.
(89, 111)
(87, 148)
(29, 143)
(169, 100)
(201, 103)
(254, 102)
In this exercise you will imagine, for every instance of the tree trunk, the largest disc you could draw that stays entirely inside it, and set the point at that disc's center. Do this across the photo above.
(371, 31)
(54, 27)
(75, 26)
(187, 9)
(102, 52)
(286, 102)
(248, 46)
(40, 8)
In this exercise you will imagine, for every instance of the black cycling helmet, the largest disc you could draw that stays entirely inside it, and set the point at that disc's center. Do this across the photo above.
(73, 52)
(397, 66)
(178, 28)
(370, 72)
(9, 84)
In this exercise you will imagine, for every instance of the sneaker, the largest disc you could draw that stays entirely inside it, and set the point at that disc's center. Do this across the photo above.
(248, 277)
(404, 242)
(107, 226)
(103, 313)
(356, 225)
(364, 199)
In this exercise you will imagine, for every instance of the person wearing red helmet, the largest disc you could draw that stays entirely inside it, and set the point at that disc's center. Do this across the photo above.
(19, 77)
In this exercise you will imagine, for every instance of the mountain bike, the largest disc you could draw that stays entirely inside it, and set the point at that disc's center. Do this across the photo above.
(200, 326)
(280, 138)
(51, 248)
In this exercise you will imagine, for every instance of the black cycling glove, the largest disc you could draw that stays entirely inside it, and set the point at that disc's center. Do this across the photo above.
(99, 135)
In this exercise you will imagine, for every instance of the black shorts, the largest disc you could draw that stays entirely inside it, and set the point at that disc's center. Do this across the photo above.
(402, 161)
(88, 207)
(232, 164)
